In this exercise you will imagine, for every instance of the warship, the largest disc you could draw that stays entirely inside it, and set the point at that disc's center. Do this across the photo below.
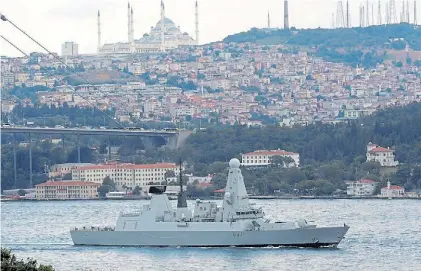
(236, 223)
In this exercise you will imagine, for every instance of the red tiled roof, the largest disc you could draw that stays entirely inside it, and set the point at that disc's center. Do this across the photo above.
(269, 152)
(128, 166)
(366, 181)
(67, 183)
(381, 149)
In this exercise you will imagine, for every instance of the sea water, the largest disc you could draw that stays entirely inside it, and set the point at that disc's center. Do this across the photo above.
(384, 235)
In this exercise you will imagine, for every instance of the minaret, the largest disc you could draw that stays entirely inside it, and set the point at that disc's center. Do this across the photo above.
(389, 192)
(286, 16)
(348, 19)
(197, 23)
(99, 32)
(162, 25)
(129, 31)
(268, 20)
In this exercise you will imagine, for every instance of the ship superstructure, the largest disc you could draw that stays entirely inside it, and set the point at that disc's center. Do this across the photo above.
(235, 223)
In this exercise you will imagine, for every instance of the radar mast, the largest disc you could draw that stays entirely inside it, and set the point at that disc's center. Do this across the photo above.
(182, 197)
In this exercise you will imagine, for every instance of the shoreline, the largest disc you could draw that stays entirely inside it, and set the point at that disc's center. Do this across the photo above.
(218, 198)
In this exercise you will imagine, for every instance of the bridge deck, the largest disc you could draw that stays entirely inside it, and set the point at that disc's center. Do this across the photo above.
(75, 131)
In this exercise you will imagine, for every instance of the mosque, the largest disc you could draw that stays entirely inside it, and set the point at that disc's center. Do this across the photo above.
(163, 36)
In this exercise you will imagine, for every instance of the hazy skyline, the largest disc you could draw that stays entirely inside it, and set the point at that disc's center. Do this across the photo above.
(54, 22)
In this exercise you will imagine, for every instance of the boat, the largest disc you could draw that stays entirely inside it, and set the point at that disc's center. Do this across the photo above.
(125, 196)
(115, 195)
(236, 223)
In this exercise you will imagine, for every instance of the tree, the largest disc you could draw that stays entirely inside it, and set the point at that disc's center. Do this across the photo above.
(103, 190)
(169, 174)
(109, 182)
(107, 186)
(21, 192)
(282, 161)
(217, 167)
(136, 190)
(9, 262)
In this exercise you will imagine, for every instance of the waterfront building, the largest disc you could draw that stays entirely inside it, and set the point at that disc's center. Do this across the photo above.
(125, 174)
(66, 190)
(264, 157)
(362, 187)
(384, 156)
(392, 191)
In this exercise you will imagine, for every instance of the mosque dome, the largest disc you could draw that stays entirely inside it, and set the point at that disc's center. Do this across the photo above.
(167, 22)
(172, 29)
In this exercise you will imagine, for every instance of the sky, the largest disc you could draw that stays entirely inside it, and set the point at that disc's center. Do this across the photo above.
(53, 22)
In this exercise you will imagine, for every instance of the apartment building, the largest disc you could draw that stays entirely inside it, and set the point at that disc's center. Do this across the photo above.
(66, 190)
(69, 49)
(129, 175)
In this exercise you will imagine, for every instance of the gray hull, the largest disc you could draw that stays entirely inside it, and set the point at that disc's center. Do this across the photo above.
(314, 237)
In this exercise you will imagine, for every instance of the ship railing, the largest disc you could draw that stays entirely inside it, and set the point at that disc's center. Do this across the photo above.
(93, 228)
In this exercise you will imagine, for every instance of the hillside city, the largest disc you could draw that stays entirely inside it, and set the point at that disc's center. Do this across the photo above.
(195, 87)
(239, 83)
(302, 129)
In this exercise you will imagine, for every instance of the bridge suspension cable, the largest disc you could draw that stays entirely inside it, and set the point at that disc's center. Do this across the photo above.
(67, 85)
(4, 18)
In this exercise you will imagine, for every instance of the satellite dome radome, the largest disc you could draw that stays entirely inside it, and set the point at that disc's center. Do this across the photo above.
(234, 163)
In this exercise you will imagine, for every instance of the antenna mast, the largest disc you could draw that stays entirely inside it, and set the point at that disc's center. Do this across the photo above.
(182, 199)
(392, 8)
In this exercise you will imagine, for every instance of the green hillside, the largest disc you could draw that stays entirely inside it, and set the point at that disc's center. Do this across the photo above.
(364, 46)
(329, 154)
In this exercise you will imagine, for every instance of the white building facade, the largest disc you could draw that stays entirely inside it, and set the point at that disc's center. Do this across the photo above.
(129, 175)
(66, 190)
(384, 156)
(264, 157)
(361, 188)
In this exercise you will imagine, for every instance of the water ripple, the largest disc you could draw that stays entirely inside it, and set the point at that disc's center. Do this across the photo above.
(384, 235)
